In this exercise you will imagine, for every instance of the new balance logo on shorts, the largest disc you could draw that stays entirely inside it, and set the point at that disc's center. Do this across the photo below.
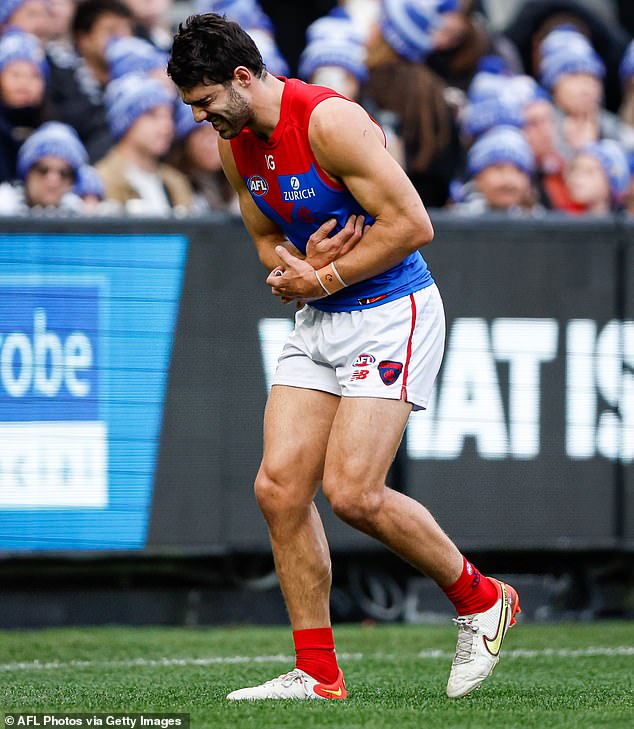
(359, 375)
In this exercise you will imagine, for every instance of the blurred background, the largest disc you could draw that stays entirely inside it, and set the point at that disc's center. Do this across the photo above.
(138, 340)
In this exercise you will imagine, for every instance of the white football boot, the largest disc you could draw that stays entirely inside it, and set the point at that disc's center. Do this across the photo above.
(480, 639)
(292, 685)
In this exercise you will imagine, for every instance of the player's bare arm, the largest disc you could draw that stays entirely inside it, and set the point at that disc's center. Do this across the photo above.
(349, 147)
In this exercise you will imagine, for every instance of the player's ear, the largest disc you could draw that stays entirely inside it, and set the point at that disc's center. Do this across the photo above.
(243, 76)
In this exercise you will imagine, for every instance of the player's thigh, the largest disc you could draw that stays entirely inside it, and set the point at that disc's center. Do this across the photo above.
(364, 438)
(297, 424)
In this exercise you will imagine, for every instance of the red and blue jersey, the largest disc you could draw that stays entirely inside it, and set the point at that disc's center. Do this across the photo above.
(289, 187)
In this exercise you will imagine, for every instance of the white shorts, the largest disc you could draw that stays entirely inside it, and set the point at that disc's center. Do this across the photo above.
(390, 351)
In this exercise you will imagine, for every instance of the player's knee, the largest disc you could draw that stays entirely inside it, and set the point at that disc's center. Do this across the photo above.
(357, 507)
(276, 496)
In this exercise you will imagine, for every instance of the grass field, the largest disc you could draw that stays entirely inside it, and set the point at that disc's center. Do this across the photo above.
(568, 676)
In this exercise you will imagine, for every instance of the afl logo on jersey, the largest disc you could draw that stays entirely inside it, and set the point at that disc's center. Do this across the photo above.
(257, 185)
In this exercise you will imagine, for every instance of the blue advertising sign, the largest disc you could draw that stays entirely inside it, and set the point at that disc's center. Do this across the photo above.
(86, 328)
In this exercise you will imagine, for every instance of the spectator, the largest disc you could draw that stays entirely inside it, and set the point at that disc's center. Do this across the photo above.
(135, 55)
(90, 188)
(598, 178)
(153, 21)
(626, 112)
(484, 114)
(78, 77)
(571, 69)
(60, 20)
(23, 71)
(139, 111)
(48, 164)
(500, 165)
(540, 130)
(536, 18)
(400, 84)
(195, 154)
(519, 101)
(462, 41)
(335, 55)
(31, 16)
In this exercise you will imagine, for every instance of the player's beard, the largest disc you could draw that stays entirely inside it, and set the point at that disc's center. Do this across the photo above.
(236, 117)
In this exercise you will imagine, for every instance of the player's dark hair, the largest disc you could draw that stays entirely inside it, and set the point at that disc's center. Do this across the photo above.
(88, 13)
(208, 48)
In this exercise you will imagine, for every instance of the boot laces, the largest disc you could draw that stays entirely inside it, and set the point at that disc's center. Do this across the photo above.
(288, 679)
(466, 632)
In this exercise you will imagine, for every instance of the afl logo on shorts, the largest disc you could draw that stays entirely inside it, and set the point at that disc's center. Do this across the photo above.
(258, 185)
(364, 359)
(390, 371)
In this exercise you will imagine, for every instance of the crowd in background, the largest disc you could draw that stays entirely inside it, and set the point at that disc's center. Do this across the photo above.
(537, 118)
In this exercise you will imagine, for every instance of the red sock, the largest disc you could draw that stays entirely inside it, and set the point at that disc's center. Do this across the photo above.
(471, 592)
(315, 653)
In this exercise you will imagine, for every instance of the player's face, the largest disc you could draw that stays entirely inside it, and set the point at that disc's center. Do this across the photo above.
(222, 105)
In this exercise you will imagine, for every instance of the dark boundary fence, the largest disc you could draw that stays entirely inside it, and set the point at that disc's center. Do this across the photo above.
(528, 443)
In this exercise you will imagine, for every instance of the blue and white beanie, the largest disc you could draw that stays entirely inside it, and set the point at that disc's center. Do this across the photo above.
(133, 55)
(16, 45)
(561, 37)
(408, 25)
(89, 182)
(524, 90)
(334, 40)
(576, 55)
(481, 116)
(129, 97)
(499, 146)
(247, 13)
(626, 69)
(8, 8)
(614, 162)
(488, 82)
(52, 139)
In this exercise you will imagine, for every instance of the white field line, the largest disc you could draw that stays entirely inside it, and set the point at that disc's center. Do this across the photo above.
(624, 650)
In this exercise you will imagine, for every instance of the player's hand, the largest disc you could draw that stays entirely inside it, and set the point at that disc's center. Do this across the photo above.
(294, 280)
(322, 250)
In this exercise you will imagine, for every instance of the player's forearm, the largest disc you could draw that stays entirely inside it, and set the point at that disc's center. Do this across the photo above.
(266, 250)
(383, 246)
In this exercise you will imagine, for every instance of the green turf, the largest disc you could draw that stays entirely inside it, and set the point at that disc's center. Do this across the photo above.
(390, 684)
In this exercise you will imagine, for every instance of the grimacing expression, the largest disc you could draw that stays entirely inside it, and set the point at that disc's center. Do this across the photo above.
(222, 105)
